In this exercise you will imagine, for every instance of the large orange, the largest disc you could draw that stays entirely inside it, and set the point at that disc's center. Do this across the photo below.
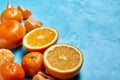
(11, 14)
(6, 56)
(40, 39)
(11, 34)
(63, 61)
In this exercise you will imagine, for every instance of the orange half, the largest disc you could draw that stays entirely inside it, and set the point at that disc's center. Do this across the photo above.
(40, 39)
(63, 61)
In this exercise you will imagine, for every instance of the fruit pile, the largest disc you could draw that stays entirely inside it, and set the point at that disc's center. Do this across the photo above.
(45, 60)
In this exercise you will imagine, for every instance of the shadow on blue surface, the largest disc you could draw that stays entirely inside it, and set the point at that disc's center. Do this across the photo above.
(77, 77)
(19, 52)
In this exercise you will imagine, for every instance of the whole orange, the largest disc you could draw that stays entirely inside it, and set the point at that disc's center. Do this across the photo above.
(11, 14)
(11, 71)
(11, 34)
(32, 63)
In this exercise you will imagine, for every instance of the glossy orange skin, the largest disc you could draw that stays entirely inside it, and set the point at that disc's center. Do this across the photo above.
(11, 14)
(11, 34)
(32, 63)
(11, 71)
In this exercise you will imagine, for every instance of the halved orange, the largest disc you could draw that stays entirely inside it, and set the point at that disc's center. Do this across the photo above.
(40, 39)
(63, 61)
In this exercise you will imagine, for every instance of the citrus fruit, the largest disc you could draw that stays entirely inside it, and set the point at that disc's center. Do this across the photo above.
(63, 61)
(32, 63)
(42, 76)
(6, 56)
(40, 39)
(32, 23)
(26, 12)
(11, 71)
(0, 19)
(11, 34)
(11, 14)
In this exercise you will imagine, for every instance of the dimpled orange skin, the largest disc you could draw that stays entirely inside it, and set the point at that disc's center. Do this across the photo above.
(11, 34)
(11, 14)
(32, 63)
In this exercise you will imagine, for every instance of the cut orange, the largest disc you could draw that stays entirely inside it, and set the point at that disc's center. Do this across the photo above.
(63, 61)
(40, 39)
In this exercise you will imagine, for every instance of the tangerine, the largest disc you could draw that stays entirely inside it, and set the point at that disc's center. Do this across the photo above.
(11, 14)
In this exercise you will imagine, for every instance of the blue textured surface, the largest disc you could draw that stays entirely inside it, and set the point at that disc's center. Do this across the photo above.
(91, 25)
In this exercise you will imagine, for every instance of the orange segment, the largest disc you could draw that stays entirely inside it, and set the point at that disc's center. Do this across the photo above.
(40, 38)
(63, 59)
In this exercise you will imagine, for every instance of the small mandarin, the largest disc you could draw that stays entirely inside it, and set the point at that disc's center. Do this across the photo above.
(11, 14)
(11, 71)
(32, 63)
(6, 56)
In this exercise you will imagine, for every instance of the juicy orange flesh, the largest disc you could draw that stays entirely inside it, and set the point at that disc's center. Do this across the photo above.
(40, 37)
(63, 58)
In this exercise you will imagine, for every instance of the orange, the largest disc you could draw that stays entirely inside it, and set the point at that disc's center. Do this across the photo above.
(32, 23)
(6, 56)
(42, 76)
(0, 19)
(11, 14)
(32, 63)
(11, 71)
(11, 34)
(63, 61)
(40, 39)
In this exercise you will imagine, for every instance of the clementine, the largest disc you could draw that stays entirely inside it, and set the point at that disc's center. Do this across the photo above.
(11, 71)
(32, 63)
(6, 56)
(11, 14)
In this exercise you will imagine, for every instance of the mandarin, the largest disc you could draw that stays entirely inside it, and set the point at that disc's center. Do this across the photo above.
(32, 63)
(11, 14)
(6, 56)
(11, 71)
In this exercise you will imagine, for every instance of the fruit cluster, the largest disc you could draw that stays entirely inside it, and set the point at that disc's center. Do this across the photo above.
(45, 59)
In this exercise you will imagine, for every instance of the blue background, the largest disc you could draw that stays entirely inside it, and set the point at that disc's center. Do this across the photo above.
(91, 25)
